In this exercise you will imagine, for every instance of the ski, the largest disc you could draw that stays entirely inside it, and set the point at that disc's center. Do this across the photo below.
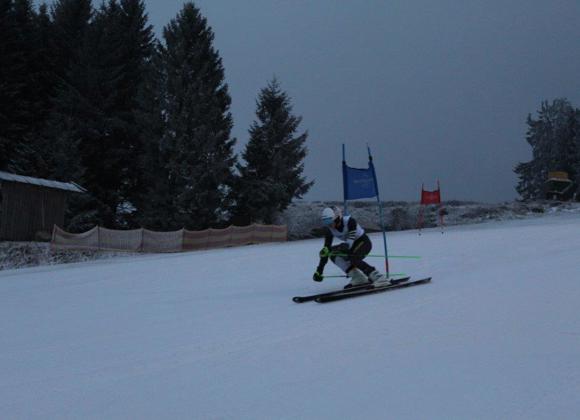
(346, 294)
(300, 299)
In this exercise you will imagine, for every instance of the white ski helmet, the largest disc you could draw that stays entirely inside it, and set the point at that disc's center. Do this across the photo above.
(329, 216)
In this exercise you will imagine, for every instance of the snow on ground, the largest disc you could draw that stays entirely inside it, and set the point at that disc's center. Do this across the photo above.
(31, 254)
(215, 335)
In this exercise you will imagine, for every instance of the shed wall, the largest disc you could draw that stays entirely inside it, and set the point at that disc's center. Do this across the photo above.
(28, 209)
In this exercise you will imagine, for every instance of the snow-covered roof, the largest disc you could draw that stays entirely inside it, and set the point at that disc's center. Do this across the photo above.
(67, 186)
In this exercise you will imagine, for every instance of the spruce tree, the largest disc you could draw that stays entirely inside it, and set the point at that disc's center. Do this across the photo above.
(98, 108)
(26, 90)
(66, 125)
(43, 65)
(24, 18)
(34, 151)
(196, 149)
(576, 147)
(274, 157)
(71, 20)
(14, 98)
(7, 87)
(61, 37)
(152, 199)
(552, 137)
(132, 102)
(122, 47)
(84, 120)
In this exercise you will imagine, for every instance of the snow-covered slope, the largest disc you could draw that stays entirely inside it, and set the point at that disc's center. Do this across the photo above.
(303, 221)
(215, 334)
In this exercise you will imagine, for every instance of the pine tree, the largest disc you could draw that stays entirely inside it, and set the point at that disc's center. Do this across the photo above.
(98, 109)
(7, 87)
(71, 20)
(552, 137)
(84, 120)
(123, 47)
(131, 40)
(196, 149)
(34, 151)
(60, 39)
(274, 156)
(14, 99)
(24, 18)
(577, 152)
(58, 150)
(43, 65)
(152, 200)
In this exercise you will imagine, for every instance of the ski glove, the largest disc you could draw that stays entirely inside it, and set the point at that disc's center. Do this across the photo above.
(324, 252)
(317, 276)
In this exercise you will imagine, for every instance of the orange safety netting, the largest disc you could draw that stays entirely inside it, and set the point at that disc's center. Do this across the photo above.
(144, 240)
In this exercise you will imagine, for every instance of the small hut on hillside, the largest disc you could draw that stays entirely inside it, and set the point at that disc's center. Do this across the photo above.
(559, 187)
(30, 207)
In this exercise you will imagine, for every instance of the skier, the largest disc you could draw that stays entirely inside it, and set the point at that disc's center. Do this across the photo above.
(349, 255)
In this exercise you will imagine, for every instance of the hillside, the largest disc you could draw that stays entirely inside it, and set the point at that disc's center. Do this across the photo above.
(214, 334)
(303, 218)
(303, 221)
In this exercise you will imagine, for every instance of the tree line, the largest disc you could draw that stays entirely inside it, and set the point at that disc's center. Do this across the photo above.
(554, 135)
(88, 94)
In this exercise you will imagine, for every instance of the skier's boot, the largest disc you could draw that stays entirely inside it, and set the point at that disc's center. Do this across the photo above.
(379, 279)
(357, 278)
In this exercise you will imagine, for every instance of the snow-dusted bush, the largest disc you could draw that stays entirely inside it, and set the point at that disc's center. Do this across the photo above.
(401, 219)
(303, 218)
(30, 254)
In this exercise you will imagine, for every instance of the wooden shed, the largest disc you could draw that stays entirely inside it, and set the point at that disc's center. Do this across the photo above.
(30, 207)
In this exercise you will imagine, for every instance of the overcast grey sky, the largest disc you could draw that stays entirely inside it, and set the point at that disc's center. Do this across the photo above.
(439, 89)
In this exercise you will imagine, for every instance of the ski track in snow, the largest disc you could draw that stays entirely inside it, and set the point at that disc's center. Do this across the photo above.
(215, 335)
